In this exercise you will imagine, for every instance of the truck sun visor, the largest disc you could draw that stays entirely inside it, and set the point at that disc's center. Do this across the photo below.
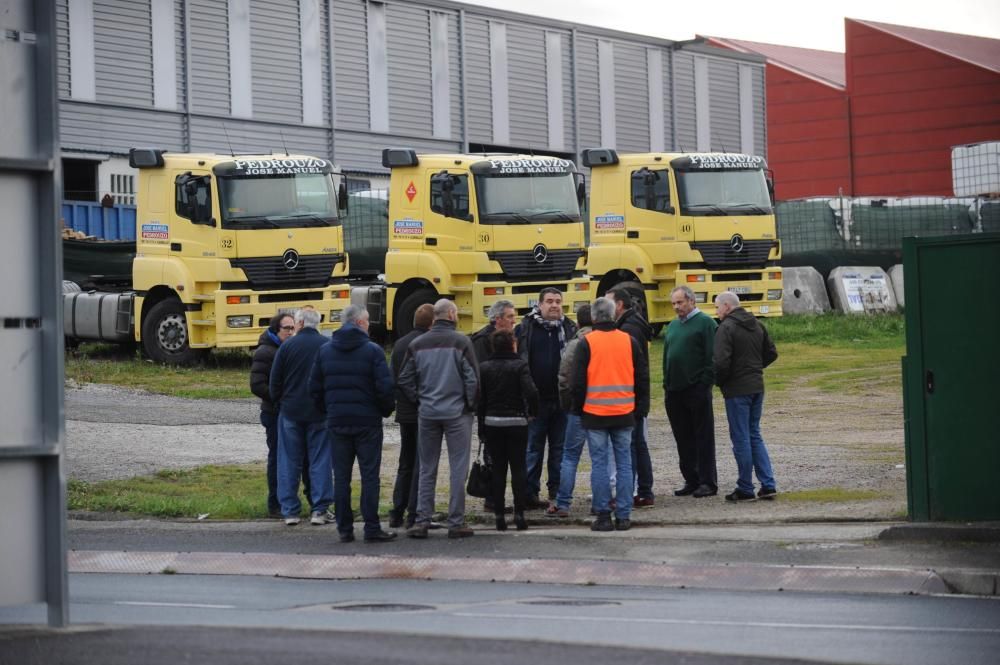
(718, 161)
(515, 166)
(272, 166)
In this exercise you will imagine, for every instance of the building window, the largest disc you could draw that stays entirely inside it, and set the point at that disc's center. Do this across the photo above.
(123, 189)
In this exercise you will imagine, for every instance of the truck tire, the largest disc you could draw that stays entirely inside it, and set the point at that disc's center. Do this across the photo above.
(403, 322)
(638, 296)
(165, 337)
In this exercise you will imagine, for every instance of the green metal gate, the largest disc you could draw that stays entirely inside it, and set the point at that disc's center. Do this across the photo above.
(951, 377)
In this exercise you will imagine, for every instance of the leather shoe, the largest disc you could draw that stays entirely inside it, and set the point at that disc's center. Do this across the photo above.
(535, 503)
(685, 490)
(643, 502)
(395, 519)
(460, 532)
(380, 537)
(347, 537)
(704, 490)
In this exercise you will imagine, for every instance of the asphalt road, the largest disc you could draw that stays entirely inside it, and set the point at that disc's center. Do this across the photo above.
(557, 621)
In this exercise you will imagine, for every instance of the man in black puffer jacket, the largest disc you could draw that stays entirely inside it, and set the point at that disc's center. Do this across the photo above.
(351, 384)
(281, 328)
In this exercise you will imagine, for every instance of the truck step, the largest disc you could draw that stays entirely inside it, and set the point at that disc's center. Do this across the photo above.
(203, 322)
(203, 297)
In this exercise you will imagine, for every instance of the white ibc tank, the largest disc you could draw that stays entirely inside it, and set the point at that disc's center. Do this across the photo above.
(803, 291)
(861, 290)
(896, 275)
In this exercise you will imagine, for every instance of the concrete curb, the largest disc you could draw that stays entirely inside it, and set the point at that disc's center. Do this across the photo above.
(545, 571)
(959, 532)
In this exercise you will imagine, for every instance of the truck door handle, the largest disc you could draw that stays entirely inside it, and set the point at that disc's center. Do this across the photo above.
(430, 241)
(929, 382)
(632, 234)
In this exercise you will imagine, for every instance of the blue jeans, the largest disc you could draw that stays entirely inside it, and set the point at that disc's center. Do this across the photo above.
(550, 424)
(365, 445)
(620, 441)
(572, 449)
(295, 439)
(642, 465)
(743, 413)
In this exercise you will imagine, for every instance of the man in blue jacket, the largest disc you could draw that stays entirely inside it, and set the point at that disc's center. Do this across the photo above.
(351, 384)
(301, 430)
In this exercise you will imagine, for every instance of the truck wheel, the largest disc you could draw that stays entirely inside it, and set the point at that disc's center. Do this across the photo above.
(165, 335)
(403, 322)
(638, 296)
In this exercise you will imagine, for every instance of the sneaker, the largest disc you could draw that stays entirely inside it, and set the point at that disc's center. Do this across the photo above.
(292, 520)
(460, 532)
(318, 518)
(622, 525)
(767, 493)
(417, 531)
(556, 511)
(737, 495)
(380, 537)
(602, 523)
(642, 502)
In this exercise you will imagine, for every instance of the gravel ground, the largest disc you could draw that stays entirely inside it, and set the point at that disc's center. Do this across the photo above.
(817, 440)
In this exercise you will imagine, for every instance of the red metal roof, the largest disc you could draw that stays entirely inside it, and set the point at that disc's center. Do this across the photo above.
(824, 66)
(980, 51)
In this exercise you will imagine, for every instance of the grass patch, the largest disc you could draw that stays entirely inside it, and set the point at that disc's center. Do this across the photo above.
(830, 495)
(839, 330)
(188, 493)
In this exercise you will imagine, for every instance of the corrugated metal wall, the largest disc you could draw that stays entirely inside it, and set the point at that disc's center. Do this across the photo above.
(759, 118)
(528, 93)
(408, 46)
(684, 103)
(632, 97)
(276, 60)
(724, 104)
(123, 73)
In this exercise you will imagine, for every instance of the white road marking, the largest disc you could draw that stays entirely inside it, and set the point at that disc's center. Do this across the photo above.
(202, 606)
(752, 624)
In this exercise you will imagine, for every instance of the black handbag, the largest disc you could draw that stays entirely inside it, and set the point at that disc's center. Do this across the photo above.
(480, 476)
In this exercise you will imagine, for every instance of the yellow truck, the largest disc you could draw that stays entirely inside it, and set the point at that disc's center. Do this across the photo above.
(661, 220)
(475, 229)
(223, 242)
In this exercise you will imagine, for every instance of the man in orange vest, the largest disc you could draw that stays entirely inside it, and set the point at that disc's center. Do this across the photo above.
(610, 388)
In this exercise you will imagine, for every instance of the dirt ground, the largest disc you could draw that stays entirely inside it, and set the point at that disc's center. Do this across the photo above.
(817, 441)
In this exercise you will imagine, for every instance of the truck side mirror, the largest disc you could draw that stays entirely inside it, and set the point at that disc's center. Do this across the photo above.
(769, 178)
(581, 190)
(342, 197)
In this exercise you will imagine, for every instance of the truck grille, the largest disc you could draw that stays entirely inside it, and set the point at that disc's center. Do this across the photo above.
(269, 272)
(719, 255)
(559, 264)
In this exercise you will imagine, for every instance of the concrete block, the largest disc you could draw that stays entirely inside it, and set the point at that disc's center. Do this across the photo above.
(803, 291)
(896, 276)
(861, 290)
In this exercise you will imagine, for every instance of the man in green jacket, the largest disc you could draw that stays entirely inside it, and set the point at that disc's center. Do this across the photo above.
(687, 390)
(742, 350)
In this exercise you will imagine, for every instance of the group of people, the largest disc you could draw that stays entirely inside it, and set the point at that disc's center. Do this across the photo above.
(535, 391)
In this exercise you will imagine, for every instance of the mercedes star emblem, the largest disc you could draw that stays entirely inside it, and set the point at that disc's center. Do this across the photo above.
(540, 253)
(290, 259)
(736, 243)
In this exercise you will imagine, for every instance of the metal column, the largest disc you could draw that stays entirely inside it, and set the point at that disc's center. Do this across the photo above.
(32, 484)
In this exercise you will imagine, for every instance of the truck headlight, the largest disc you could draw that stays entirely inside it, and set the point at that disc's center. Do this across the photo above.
(774, 294)
(242, 321)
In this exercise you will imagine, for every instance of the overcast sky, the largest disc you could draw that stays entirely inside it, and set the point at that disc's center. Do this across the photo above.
(803, 23)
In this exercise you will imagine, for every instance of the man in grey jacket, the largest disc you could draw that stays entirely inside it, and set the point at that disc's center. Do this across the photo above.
(742, 350)
(441, 375)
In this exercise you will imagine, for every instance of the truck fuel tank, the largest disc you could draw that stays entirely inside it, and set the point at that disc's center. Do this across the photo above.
(98, 315)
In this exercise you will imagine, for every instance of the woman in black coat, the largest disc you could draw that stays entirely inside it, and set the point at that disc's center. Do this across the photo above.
(508, 398)
(282, 327)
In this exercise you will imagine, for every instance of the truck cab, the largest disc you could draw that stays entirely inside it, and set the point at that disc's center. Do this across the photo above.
(479, 228)
(661, 220)
(226, 241)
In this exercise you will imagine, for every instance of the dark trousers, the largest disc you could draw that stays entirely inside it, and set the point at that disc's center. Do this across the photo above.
(363, 444)
(507, 448)
(691, 419)
(404, 492)
(269, 420)
(550, 424)
(642, 464)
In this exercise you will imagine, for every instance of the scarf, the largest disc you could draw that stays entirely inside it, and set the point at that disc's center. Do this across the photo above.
(274, 338)
(536, 315)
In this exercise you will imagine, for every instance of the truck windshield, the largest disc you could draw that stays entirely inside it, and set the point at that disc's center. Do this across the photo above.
(722, 193)
(278, 201)
(527, 199)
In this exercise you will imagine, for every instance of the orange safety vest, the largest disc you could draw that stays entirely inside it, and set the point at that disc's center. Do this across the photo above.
(610, 374)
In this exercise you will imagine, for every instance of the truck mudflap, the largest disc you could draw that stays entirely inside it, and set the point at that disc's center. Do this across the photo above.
(237, 318)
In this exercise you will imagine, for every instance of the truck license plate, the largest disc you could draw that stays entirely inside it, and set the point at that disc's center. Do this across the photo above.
(739, 290)
(765, 309)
